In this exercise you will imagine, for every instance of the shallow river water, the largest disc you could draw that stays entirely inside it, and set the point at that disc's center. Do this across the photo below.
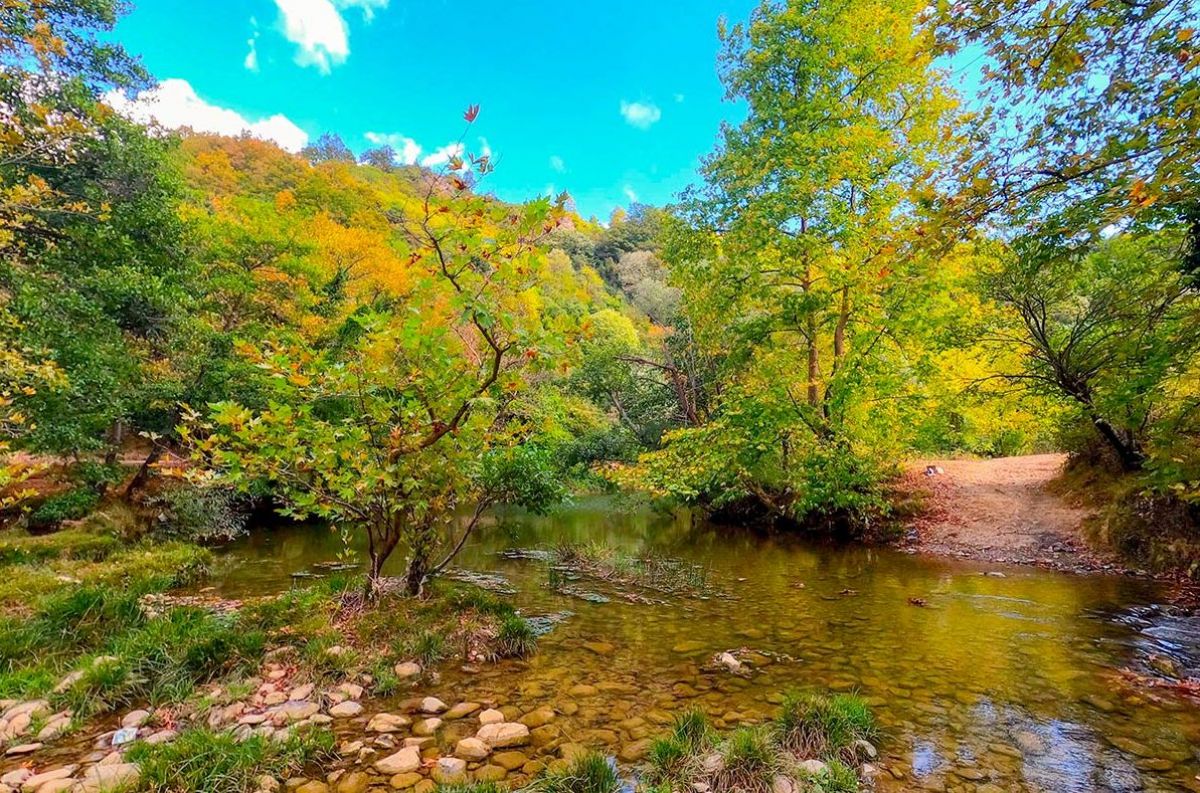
(1004, 679)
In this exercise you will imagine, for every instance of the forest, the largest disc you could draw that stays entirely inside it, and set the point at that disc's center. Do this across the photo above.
(205, 337)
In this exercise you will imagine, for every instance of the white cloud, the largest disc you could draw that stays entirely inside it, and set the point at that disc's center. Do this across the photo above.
(557, 163)
(407, 150)
(174, 104)
(251, 62)
(443, 155)
(632, 196)
(485, 148)
(320, 31)
(642, 115)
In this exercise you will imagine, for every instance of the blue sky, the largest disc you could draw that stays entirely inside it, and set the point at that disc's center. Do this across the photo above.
(608, 102)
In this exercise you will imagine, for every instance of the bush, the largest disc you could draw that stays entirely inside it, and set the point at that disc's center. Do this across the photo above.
(750, 761)
(816, 725)
(72, 504)
(205, 761)
(588, 773)
(516, 638)
(200, 514)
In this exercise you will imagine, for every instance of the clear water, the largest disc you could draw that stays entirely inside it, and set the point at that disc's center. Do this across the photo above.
(999, 682)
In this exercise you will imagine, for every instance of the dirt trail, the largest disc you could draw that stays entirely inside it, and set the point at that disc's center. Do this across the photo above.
(1000, 510)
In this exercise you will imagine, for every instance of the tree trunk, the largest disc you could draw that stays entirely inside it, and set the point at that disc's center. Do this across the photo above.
(414, 579)
(1128, 450)
(143, 474)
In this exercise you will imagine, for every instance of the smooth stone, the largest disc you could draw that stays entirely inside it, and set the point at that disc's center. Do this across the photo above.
(538, 718)
(353, 782)
(450, 770)
(346, 710)
(109, 778)
(812, 767)
(461, 710)
(23, 748)
(37, 780)
(301, 692)
(407, 669)
(403, 781)
(135, 718)
(503, 735)
(402, 762)
(472, 749)
(296, 711)
(312, 786)
(632, 752)
(427, 727)
(387, 722)
(599, 648)
(432, 705)
(510, 761)
(491, 716)
(489, 773)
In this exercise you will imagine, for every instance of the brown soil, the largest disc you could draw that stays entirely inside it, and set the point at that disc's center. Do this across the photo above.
(1001, 511)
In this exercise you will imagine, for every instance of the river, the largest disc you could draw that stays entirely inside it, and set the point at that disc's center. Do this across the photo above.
(985, 678)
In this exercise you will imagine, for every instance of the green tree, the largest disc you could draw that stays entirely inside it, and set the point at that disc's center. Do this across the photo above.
(391, 419)
(802, 257)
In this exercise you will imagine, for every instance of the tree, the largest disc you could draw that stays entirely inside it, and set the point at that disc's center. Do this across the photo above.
(393, 418)
(1110, 329)
(1091, 116)
(802, 257)
(328, 148)
(91, 260)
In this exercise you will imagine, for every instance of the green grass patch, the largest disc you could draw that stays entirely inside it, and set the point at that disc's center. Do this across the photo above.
(820, 725)
(205, 761)
(589, 773)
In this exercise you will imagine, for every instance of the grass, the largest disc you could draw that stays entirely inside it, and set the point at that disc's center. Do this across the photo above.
(589, 773)
(205, 761)
(750, 761)
(818, 725)
(837, 777)
(809, 726)
(610, 564)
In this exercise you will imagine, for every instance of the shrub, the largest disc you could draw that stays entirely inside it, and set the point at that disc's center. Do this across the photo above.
(667, 757)
(589, 773)
(750, 761)
(72, 504)
(516, 638)
(200, 514)
(816, 725)
(202, 760)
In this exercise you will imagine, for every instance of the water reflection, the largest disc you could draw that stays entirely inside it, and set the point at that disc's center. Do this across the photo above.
(1003, 680)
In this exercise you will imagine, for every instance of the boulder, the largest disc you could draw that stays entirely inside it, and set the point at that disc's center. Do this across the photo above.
(491, 716)
(812, 767)
(503, 734)
(404, 781)
(402, 762)
(37, 780)
(427, 727)
(353, 782)
(537, 718)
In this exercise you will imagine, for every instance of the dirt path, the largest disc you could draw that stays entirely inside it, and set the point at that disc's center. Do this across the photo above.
(1000, 510)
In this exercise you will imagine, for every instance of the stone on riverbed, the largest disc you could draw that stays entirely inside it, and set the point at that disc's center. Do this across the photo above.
(346, 710)
(510, 761)
(407, 669)
(432, 705)
(503, 734)
(387, 722)
(472, 749)
(461, 710)
(450, 770)
(109, 778)
(491, 716)
(427, 727)
(402, 762)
